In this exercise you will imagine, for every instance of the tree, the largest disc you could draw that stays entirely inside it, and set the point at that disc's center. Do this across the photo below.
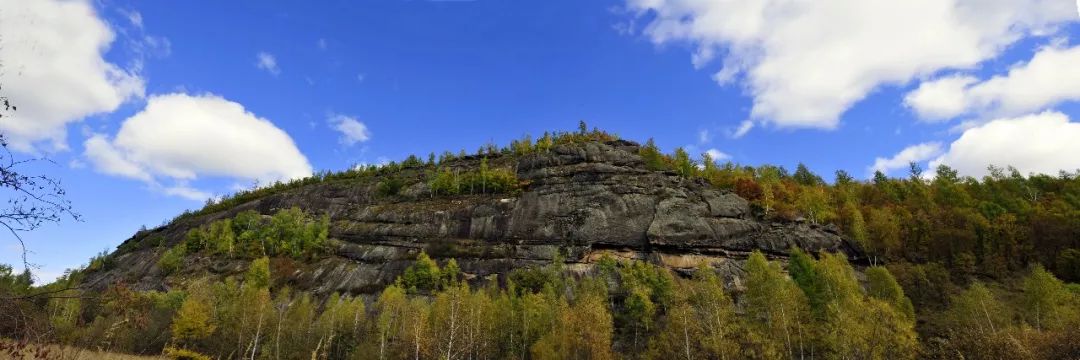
(683, 164)
(843, 178)
(803, 176)
(776, 310)
(976, 311)
(861, 326)
(884, 232)
(854, 223)
(1045, 300)
(803, 271)
(392, 307)
(192, 322)
(1068, 265)
(813, 201)
(34, 200)
(582, 330)
(883, 286)
(700, 323)
(708, 164)
(258, 274)
(650, 153)
(422, 275)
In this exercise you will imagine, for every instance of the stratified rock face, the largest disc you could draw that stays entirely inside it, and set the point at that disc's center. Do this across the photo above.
(578, 200)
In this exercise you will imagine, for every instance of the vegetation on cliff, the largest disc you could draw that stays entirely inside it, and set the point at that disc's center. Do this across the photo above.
(956, 265)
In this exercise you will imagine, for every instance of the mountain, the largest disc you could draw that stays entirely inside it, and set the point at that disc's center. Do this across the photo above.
(575, 201)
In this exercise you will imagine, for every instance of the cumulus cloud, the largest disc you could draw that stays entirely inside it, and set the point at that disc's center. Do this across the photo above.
(352, 131)
(54, 71)
(903, 159)
(806, 62)
(717, 155)
(267, 62)
(181, 137)
(1051, 77)
(1043, 143)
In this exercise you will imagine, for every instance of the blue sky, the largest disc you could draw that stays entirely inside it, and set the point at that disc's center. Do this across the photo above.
(339, 83)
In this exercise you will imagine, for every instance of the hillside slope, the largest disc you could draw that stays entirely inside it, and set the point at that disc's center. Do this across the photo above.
(574, 201)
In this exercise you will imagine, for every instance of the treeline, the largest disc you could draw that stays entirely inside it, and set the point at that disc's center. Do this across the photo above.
(446, 180)
(812, 308)
(988, 227)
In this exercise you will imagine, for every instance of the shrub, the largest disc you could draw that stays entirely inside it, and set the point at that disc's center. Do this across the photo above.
(422, 275)
(389, 187)
(183, 354)
(101, 262)
(172, 259)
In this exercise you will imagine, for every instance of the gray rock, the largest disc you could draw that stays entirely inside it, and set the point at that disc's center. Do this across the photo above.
(578, 200)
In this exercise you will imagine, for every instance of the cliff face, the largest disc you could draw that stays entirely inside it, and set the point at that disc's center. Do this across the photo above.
(581, 200)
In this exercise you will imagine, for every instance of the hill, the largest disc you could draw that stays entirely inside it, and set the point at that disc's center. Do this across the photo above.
(584, 245)
(575, 200)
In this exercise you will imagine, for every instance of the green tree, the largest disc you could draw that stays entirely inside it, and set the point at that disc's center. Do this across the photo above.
(683, 164)
(258, 274)
(882, 285)
(192, 322)
(392, 307)
(1046, 300)
(653, 157)
(423, 275)
(776, 310)
(803, 176)
(171, 260)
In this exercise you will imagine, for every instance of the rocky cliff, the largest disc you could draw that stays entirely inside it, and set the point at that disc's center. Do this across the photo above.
(580, 201)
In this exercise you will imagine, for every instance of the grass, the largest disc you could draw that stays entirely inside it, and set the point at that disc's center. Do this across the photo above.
(19, 351)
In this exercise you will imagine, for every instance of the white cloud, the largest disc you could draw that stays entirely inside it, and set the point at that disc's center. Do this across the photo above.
(940, 99)
(321, 44)
(744, 128)
(704, 136)
(268, 62)
(1039, 143)
(903, 159)
(806, 62)
(352, 131)
(134, 17)
(181, 137)
(717, 155)
(187, 193)
(110, 161)
(1051, 77)
(53, 70)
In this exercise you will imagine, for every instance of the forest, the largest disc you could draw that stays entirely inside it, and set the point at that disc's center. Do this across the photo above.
(957, 266)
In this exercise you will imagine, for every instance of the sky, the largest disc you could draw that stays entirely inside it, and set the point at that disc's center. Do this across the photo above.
(147, 109)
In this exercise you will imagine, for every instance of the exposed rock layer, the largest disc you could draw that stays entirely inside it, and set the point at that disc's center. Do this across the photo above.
(578, 200)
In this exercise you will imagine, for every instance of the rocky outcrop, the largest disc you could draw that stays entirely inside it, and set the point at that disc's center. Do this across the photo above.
(577, 200)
